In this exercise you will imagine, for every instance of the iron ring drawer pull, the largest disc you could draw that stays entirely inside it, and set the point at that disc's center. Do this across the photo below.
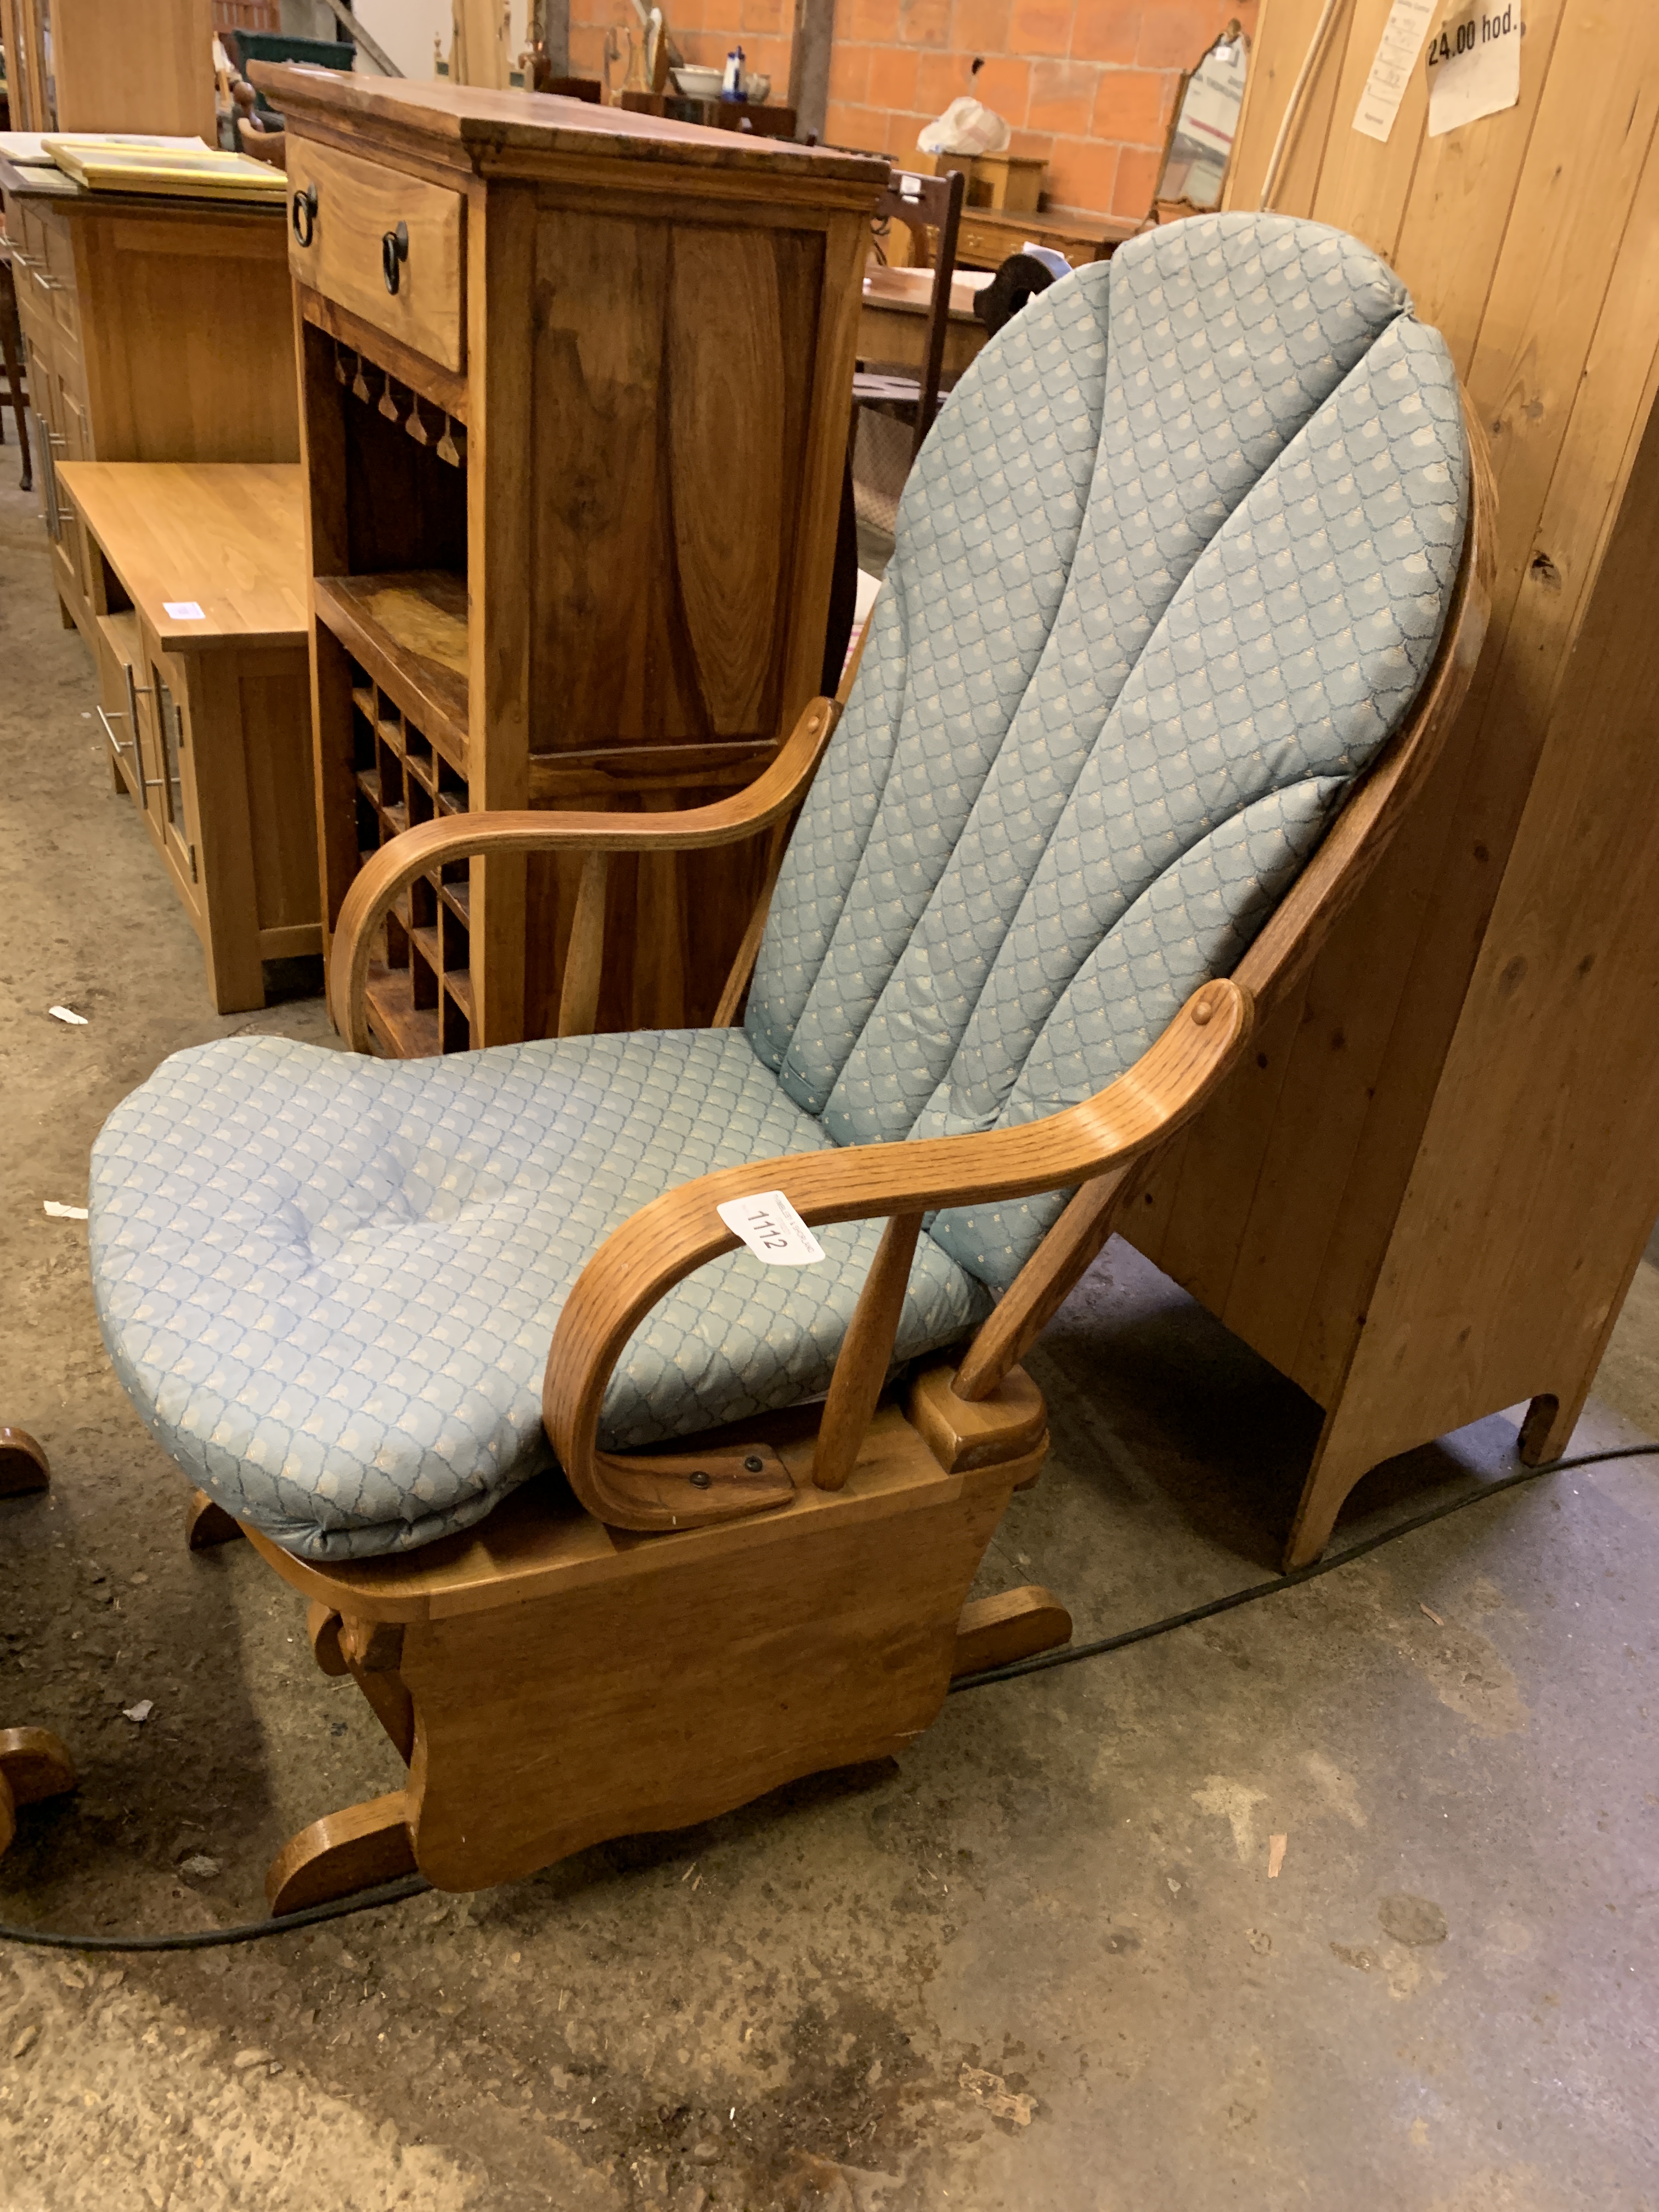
(394, 252)
(305, 205)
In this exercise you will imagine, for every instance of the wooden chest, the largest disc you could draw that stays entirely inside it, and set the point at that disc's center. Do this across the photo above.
(576, 386)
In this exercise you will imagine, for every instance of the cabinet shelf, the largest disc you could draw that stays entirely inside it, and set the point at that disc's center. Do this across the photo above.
(410, 633)
(412, 1032)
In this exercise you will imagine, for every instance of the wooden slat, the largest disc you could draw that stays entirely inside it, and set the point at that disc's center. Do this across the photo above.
(409, 632)
(1364, 182)
(410, 1031)
(1285, 32)
(1463, 199)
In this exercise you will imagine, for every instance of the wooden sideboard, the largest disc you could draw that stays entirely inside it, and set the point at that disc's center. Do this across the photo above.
(110, 65)
(153, 331)
(572, 493)
(200, 631)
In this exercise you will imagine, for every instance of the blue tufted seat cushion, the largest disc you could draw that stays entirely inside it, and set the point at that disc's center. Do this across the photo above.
(329, 1282)
(1169, 572)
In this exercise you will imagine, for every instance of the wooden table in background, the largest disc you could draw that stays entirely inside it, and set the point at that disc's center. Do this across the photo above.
(893, 320)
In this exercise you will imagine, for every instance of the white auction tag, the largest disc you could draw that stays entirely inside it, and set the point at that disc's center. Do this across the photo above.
(772, 1230)
(183, 610)
(1474, 66)
(1397, 58)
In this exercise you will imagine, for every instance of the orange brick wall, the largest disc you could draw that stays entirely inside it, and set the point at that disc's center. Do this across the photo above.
(704, 30)
(1086, 84)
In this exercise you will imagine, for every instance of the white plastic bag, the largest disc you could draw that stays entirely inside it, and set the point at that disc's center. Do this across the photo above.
(965, 127)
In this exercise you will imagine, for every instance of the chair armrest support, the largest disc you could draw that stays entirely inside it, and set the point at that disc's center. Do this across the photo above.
(384, 878)
(667, 1240)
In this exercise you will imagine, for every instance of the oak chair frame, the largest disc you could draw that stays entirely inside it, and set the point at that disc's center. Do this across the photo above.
(524, 1669)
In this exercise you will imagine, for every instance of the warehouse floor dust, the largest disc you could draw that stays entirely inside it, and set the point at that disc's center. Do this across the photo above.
(1043, 1964)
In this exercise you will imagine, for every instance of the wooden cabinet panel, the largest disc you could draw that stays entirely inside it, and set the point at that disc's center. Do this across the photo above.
(665, 460)
(188, 336)
(340, 250)
(152, 332)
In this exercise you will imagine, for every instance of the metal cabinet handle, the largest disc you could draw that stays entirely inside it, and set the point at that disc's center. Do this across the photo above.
(305, 215)
(394, 252)
(134, 693)
(116, 746)
(148, 782)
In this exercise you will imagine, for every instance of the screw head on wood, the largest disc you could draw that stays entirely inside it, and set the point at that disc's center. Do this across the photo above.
(699, 1477)
(754, 1463)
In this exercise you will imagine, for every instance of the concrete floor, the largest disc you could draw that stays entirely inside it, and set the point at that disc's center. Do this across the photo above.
(1444, 2002)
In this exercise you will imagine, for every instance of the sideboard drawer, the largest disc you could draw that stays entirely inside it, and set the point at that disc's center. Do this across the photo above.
(346, 244)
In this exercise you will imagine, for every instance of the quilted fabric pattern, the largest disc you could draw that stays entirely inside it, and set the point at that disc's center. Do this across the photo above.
(963, 620)
(1259, 584)
(1264, 320)
(328, 1283)
(1169, 572)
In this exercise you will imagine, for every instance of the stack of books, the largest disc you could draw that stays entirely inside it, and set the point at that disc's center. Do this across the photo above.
(174, 171)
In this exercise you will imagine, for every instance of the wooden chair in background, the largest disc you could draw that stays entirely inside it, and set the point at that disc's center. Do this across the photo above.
(922, 203)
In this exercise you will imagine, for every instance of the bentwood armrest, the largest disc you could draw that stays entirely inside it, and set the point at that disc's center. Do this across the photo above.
(774, 794)
(667, 1240)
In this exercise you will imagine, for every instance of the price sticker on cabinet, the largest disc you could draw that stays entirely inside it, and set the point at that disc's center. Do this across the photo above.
(1473, 62)
(772, 1230)
(182, 610)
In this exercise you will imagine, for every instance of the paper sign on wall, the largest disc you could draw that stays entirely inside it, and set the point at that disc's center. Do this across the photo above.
(772, 1228)
(1397, 58)
(1474, 66)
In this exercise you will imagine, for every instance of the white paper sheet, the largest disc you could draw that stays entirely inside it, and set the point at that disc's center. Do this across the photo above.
(1474, 66)
(1397, 58)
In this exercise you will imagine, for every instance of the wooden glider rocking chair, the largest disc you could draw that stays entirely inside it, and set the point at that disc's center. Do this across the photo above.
(1164, 654)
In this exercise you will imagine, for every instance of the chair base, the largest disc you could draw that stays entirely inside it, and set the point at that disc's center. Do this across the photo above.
(34, 1765)
(23, 1464)
(555, 1683)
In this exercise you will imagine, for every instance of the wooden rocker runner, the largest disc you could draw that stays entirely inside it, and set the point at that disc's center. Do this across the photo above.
(35, 1763)
(1191, 577)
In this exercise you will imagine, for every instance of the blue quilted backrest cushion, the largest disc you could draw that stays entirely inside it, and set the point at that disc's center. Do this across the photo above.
(1169, 572)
